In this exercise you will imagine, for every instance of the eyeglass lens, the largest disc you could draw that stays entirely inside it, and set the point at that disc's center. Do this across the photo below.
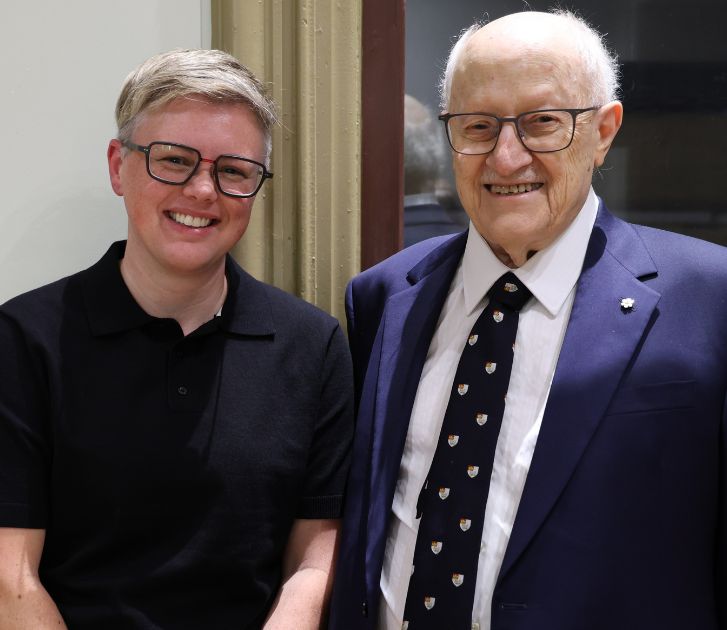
(539, 131)
(175, 164)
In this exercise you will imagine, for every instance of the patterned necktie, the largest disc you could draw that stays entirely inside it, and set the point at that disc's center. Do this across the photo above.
(452, 502)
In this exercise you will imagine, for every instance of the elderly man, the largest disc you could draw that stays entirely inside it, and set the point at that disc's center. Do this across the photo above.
(541, 437)
(174, 434)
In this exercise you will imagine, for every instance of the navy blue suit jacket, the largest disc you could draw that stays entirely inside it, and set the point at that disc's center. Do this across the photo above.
(623, 519)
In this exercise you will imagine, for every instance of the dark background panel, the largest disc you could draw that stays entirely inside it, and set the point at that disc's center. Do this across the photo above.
(669, 160)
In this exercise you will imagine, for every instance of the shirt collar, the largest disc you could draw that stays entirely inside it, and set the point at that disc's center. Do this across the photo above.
(109, 304)
(550, 274)
(111, 308)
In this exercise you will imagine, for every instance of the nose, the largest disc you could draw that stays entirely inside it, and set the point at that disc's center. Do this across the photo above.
(509, 154)
(201, 185)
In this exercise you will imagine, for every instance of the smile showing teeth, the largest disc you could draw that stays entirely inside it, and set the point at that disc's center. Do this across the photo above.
(188, 220)
(513, 189)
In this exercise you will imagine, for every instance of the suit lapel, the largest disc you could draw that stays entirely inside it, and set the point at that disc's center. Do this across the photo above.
(600, 341)
(408, 324)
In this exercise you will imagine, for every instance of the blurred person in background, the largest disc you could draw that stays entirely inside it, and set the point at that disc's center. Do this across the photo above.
(425, 152)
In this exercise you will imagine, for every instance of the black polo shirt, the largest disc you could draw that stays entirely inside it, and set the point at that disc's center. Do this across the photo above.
(167, 470)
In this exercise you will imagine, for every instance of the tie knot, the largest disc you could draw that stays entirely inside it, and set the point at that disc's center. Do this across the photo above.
(509, 290)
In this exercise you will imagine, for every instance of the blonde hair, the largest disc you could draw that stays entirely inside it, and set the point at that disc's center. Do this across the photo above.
(210, 74)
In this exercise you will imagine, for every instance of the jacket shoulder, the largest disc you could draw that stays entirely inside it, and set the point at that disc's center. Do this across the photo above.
(390, 275)
(670, 248)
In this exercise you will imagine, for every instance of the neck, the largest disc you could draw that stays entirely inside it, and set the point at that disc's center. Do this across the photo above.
(513, 260)
(190, 299)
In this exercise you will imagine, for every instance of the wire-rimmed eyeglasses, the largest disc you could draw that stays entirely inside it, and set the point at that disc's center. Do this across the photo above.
(176, 164)
(540, 131)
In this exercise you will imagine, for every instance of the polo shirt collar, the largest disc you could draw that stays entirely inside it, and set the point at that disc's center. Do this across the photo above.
(109, 304)
(247, 309)
(550, 274)
(111, 308)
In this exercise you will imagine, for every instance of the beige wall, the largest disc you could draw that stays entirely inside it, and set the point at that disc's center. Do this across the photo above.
(62, 66)
(304, 235)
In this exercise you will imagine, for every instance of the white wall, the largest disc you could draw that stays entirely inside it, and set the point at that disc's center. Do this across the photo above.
(61, 67)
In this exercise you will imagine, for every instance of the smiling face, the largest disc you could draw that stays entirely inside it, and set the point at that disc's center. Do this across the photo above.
(520, 201)
(187, 228)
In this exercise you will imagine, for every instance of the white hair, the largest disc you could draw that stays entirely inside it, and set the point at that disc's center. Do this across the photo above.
(600, 65)
(445, 84)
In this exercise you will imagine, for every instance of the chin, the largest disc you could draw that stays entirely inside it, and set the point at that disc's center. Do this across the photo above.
(510, 232)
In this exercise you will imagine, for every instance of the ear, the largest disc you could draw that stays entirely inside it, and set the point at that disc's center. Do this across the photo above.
(608, 119)
(115, 160)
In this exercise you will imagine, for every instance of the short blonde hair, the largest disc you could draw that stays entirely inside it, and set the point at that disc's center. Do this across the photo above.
(210, 74)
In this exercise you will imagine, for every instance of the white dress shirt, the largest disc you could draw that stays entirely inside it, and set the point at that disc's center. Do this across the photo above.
(551, 276)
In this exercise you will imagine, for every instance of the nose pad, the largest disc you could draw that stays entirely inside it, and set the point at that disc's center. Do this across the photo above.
(511, 134)
(204, 180)
(509, 154)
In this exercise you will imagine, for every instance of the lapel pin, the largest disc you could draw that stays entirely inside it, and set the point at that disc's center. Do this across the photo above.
(627, 304)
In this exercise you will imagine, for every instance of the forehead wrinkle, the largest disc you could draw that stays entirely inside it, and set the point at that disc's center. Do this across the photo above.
(487, 69)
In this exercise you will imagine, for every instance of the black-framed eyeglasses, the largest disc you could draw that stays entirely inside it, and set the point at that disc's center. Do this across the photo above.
(540, 131)
(176, 164)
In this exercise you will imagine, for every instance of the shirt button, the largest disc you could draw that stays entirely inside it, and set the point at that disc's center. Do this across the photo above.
(182, 390)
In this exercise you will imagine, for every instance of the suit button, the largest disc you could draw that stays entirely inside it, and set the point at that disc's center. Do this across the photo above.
(182, 390)
(365, 609)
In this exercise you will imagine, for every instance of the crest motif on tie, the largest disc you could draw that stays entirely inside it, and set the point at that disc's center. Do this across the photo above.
(473, 339)
(497, 316)
(490, 367)
(464, 524)
(472, 471)
(510, 287)
(443, 493)
(436, 546)
(457, 579)
(462, 389)
(429, 602)
(481, 418)
(452, 440)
